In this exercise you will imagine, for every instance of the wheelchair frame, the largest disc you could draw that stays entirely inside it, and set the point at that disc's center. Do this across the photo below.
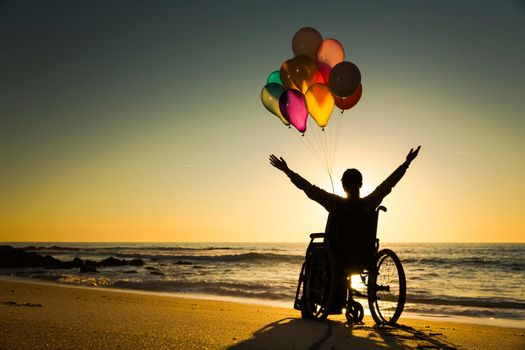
(319, 267)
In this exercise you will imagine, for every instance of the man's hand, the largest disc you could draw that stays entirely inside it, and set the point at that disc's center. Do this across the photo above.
(412, 154)
(279, 163)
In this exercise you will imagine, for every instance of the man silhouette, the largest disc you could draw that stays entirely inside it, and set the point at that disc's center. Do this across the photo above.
(339, 208)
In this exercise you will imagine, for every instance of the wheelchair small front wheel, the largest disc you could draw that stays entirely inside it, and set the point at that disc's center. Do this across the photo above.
(387, 288)
(354, 312)
(319, 283)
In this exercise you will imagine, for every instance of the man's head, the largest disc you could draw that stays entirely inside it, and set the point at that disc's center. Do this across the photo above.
(352, 181)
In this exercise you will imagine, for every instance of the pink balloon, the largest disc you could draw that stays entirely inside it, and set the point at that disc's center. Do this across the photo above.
(293, 108)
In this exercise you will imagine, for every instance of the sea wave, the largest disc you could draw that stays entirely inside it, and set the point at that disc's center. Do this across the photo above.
(245, 290)
(423, 309)
(467, 302)
(102, 250)
(474, 262)
(225, 258)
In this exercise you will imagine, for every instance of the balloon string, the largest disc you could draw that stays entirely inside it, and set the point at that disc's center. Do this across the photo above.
(338, 132)
(322, 141)
(326, 150)
(330, 144)
(316, 144)
(307, 142)
(322, 144)
(317, 137)
(315, 140)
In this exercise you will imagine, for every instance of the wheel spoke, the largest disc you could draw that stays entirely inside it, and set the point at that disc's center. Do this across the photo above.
(387, 294)
(319, 282)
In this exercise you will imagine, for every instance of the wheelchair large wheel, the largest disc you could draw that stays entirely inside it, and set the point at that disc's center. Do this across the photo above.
(319, 283)
(387, 288)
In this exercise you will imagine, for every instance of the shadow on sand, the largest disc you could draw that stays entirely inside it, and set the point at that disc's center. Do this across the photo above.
(296, 333)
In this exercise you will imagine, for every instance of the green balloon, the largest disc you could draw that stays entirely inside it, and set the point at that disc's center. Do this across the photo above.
(274, 77)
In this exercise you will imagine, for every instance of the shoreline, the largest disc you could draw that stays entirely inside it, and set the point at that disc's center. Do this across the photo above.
(37, 315)
(493, 322)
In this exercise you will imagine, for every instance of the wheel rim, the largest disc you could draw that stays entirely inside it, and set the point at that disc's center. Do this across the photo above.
(387, 289)
(317, 288)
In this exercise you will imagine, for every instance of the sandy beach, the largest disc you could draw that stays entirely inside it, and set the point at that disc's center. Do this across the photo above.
(38, 315)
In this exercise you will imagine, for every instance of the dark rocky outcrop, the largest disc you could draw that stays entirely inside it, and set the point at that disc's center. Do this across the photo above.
(54, 247)
(14, 257)
(136, 262)
(111, 261)
(88, 267)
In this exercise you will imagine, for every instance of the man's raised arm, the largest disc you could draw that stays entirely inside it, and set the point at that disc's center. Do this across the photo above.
(313, 192)
(386, 186)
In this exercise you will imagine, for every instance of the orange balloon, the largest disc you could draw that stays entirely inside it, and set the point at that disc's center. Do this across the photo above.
(299, 73)
(350, 101)
(284, 73)
(320, 103)
(330, 53)
(304, 72)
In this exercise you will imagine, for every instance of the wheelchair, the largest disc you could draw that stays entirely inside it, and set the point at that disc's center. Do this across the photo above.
(326, 275)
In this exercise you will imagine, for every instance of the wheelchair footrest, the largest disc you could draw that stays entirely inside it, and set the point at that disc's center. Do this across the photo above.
(356, 293)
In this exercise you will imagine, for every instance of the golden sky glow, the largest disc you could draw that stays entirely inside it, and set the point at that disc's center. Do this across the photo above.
(168, 141)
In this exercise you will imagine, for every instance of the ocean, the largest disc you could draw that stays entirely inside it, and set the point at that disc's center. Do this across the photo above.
(481, 281)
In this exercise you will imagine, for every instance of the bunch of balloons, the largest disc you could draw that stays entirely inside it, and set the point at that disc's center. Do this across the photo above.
(312, 82)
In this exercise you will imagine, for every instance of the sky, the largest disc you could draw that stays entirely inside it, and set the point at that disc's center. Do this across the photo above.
(142, 121)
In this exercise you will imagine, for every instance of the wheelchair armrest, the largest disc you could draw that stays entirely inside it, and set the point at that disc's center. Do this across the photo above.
(381, 208)
(317, 235)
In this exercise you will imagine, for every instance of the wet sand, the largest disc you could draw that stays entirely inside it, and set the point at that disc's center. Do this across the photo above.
(40, 316)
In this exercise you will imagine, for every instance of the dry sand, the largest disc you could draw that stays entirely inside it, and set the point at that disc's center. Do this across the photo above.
(39, 316)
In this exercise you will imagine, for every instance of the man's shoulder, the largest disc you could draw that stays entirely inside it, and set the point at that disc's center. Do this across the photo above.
(364, 204)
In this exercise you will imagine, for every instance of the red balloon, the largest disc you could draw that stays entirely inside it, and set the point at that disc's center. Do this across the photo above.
(306, 42)
(350, 101)
(324, 70)
(344, 79)
(320, 79)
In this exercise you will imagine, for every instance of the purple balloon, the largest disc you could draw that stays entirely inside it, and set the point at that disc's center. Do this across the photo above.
(293, 108)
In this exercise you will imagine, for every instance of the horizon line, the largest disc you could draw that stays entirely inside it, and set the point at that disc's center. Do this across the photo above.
(268, 242)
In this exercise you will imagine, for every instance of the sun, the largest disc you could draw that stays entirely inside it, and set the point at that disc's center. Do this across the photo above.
(366, 189)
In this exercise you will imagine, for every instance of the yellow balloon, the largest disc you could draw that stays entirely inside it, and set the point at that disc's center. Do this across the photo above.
(320, 103)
